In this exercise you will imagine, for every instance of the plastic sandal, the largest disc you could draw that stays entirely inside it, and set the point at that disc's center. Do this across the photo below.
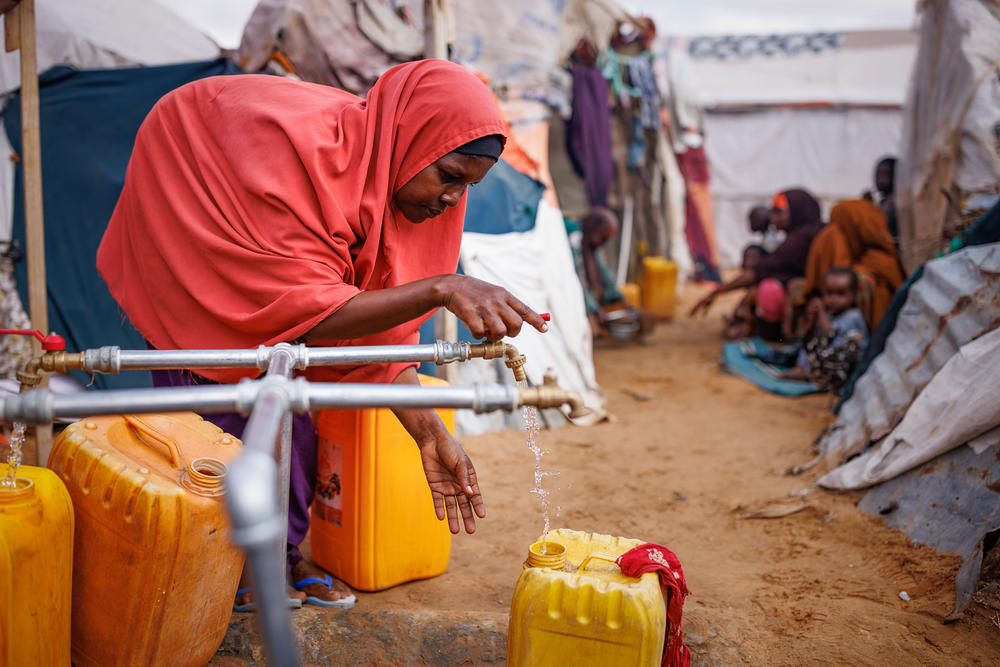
(293, 603)
(327, 580)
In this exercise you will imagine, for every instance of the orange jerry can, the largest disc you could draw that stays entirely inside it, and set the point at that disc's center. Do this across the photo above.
(36, 569)
(373, 522)
(154, 571)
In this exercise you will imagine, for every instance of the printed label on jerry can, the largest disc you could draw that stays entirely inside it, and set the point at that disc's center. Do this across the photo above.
(329, 501)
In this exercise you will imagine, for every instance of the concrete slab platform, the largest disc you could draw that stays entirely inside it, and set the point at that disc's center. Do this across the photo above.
(436, 638)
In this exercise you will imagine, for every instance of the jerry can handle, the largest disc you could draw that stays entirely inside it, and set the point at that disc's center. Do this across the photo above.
(597, 556)
(141, 428)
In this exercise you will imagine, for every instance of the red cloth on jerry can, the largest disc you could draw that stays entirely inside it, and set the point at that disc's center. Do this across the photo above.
(654, 558)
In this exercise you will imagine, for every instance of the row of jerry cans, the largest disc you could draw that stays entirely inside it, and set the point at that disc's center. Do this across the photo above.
(119, 553)
(153, 570)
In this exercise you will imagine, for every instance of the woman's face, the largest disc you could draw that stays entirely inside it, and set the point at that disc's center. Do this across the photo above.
(440, 185)
(780, 218)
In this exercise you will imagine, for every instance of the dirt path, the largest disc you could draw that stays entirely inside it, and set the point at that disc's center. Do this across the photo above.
(690, 450)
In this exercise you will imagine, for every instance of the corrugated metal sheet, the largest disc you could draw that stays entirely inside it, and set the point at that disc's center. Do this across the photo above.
(950, 503)
(956, 301)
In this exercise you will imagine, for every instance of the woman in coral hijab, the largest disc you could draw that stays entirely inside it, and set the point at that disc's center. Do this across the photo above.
(258, 209)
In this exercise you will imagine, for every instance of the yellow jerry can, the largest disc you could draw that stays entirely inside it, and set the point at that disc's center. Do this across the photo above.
(373, 521)
(154, 569)
(659, 286)
(573, 606)
(36, 569)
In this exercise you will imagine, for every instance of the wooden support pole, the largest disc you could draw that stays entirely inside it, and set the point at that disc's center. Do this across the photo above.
(20, 29)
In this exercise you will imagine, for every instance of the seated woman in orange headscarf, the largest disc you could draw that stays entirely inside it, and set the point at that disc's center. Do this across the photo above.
(857, 236)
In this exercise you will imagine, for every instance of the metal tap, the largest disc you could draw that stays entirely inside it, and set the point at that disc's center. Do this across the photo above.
(551, 395)
(515, 360)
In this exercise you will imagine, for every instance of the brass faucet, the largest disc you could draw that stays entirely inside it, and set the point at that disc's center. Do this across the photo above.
(515, 360)
(551, 395)
(58, 361)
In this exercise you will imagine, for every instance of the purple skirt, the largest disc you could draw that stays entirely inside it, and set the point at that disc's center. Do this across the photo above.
(303, 457)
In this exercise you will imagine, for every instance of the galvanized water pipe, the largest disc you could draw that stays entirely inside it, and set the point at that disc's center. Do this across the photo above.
(112, 360)
(273, 403)
(254, 472)
(40, 406)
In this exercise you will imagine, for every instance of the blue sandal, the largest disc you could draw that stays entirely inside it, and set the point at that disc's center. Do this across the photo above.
(327, 580)
(293, 603)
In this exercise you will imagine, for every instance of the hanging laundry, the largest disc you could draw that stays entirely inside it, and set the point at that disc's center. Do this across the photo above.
(589, 133)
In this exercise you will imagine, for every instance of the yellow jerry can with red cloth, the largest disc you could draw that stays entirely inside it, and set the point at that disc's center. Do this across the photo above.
(373, 521)
(36, 569)
(573, 606)
(154, 570)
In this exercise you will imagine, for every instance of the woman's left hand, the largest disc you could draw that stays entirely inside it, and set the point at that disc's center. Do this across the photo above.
(453, 482)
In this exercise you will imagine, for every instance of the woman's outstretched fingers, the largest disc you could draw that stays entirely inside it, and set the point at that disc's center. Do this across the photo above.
(453, 513)
(438, 505)
(467, 517)
(530, 316)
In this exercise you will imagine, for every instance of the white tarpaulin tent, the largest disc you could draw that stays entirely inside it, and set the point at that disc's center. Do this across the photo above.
(537, 265)
(812, 110)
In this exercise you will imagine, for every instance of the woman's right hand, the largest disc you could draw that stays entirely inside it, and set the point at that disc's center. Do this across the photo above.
(489, 311)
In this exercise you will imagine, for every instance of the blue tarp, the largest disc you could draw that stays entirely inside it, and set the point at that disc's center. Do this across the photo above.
(742, 358)
(504, 201)
(89, 120)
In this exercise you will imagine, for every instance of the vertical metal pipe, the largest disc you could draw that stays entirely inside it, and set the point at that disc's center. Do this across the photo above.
(250, 498)
(280, 365)
(270, 425)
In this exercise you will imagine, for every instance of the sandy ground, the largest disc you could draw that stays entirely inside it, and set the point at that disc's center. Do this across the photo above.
(689, 450)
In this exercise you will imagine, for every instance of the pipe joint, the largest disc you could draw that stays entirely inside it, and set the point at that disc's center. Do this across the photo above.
(446, 351)
(107, 359)
(490, 397)
(298, 355)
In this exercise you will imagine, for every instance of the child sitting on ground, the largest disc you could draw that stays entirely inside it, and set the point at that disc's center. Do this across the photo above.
(838, 333)
(741, 323)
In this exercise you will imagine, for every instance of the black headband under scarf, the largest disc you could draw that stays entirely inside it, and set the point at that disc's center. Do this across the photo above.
(489, 146)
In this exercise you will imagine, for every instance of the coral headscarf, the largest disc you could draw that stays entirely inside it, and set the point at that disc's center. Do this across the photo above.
(858, 237)
(255, 206)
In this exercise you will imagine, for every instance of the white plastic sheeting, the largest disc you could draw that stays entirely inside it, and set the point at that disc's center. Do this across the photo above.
(957, 406)
(537, 267)
(752, 156)
(948, 126)
(956, 301)
(868, 68)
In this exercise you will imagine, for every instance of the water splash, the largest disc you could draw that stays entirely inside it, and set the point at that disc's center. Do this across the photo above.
(532, 426)
(14, 457)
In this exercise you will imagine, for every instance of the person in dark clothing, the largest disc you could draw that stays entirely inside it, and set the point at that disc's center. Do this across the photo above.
(885, 192)
(797, 213)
